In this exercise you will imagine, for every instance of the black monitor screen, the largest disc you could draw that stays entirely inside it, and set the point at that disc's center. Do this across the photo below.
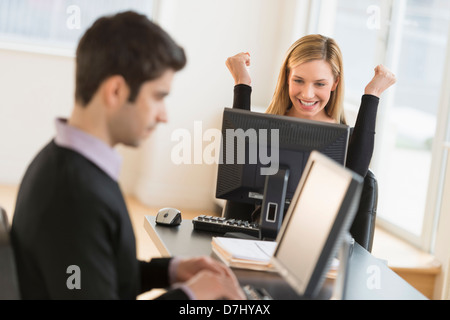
(256, 145)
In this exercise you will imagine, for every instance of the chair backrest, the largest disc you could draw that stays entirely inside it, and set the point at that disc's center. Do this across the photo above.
(363, 227)
(9, 286)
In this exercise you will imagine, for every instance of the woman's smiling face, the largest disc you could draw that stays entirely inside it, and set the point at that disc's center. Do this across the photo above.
(310, 86)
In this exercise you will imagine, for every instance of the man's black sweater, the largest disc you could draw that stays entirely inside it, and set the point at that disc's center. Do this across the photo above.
(71, 213)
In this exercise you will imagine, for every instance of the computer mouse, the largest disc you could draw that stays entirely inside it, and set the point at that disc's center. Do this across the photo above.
(169, 216)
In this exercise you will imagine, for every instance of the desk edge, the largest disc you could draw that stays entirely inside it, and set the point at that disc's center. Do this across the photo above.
(155, 238)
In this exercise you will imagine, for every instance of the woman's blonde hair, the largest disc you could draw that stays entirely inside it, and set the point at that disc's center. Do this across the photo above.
(306, 49)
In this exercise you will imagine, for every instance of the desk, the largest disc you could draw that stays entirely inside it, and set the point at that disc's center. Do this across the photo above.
(370, 278)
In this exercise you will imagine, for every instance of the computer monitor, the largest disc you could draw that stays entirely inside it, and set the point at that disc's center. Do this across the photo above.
(263, 157)
(317, 221)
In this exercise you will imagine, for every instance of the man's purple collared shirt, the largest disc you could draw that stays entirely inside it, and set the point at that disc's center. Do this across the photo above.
(92, 148)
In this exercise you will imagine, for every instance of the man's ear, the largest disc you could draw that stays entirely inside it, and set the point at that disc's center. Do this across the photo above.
(115, 91)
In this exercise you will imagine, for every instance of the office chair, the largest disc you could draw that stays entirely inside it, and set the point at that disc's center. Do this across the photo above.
(9, 285)
(363, 227)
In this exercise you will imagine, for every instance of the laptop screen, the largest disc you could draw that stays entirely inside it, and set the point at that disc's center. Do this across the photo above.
(321, 211)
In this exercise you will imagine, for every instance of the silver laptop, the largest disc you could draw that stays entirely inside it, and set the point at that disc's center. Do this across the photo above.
(319, 217)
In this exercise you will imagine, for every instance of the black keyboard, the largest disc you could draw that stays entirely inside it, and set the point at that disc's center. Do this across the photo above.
(223, 225)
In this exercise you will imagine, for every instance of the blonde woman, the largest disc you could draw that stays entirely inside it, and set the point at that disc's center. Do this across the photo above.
(311, 86)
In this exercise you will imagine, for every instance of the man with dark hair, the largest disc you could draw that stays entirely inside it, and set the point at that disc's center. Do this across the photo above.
(71, 231)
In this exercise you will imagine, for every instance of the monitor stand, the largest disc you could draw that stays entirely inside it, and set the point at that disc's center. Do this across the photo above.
(237, 210)
(344, 254)
(272, 209)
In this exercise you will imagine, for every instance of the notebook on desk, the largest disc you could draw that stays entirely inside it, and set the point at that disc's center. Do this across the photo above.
(244, 254)
(252, 254)
(318, 219)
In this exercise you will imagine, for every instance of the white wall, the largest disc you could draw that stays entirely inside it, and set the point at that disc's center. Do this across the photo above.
(35, 88)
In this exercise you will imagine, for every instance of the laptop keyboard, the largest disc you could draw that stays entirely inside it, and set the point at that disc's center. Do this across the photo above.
(253, 293)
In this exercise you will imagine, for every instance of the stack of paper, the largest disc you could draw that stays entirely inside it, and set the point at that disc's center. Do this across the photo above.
(244, 253)
(252, 254)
